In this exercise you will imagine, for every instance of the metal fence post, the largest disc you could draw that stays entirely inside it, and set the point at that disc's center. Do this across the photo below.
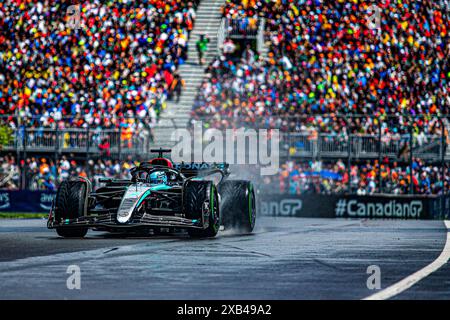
(120, 142)
(56, 145)
(442, 167)
(379, 157)
(411, 184)
(24, 171)
(349, 155)
(88, 141)
(443, 150)
(16, 146)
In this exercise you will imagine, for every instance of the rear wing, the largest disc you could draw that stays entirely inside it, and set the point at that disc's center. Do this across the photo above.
(192, 169)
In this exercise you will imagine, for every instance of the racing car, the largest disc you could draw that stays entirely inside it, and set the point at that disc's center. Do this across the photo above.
(159, 196)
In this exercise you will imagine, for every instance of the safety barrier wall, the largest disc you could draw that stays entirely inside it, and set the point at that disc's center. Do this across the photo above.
(356, 206)
(315, 206)
(26, 201)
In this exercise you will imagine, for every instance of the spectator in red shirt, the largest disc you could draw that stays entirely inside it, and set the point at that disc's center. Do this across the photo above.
(105, 148)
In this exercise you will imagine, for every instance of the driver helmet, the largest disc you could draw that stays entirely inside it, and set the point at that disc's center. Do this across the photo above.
(158, 177)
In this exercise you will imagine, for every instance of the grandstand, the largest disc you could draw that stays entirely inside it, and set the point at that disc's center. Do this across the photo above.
(373, 100)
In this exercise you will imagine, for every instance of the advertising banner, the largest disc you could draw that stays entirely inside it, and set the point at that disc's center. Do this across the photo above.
(384, 206)
(26, 201)
(355, 206)
(284, 205)
(318, 206)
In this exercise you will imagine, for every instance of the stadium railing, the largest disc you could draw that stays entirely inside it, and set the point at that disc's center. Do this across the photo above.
(298, 138)
(361, 146)
(76, 141)
(294, 143)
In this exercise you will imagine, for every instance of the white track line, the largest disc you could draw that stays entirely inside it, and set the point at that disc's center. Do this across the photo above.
(411, 280)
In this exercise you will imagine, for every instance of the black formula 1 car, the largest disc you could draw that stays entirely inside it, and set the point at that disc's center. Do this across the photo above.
(160, 196)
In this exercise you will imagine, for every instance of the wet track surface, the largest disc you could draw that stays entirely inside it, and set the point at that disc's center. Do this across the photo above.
(285, 258)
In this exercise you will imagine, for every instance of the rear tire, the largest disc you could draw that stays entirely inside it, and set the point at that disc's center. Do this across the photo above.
(201, 197)
(71, 232)
(238, 205)
(70, 204)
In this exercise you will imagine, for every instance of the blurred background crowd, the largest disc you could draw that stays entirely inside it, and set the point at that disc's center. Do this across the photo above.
(314, 177)
(45, 173)
(305, 177)
(325, 58)
(113, 71)
(325, 62)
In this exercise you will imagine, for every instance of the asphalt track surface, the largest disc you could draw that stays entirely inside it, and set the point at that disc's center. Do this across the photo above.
(285, 258)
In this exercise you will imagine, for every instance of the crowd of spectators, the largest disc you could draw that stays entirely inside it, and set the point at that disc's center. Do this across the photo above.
(328, 61)
(44, 173)
(318, 177)
(116, 69)
(325, 57)
(294, 176)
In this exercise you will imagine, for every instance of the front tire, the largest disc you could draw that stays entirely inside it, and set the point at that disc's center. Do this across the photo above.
(201, 201)
(71, 232)
(70, 203)
(238, 205)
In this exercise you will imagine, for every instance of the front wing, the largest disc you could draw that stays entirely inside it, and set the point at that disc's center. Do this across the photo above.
(109, 221)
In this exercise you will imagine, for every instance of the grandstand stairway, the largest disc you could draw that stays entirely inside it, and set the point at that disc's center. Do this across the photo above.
(177, 115)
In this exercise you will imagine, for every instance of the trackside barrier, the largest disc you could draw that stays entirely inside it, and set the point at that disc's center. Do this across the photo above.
(26, 201)
(355, 206)
(314, 205)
